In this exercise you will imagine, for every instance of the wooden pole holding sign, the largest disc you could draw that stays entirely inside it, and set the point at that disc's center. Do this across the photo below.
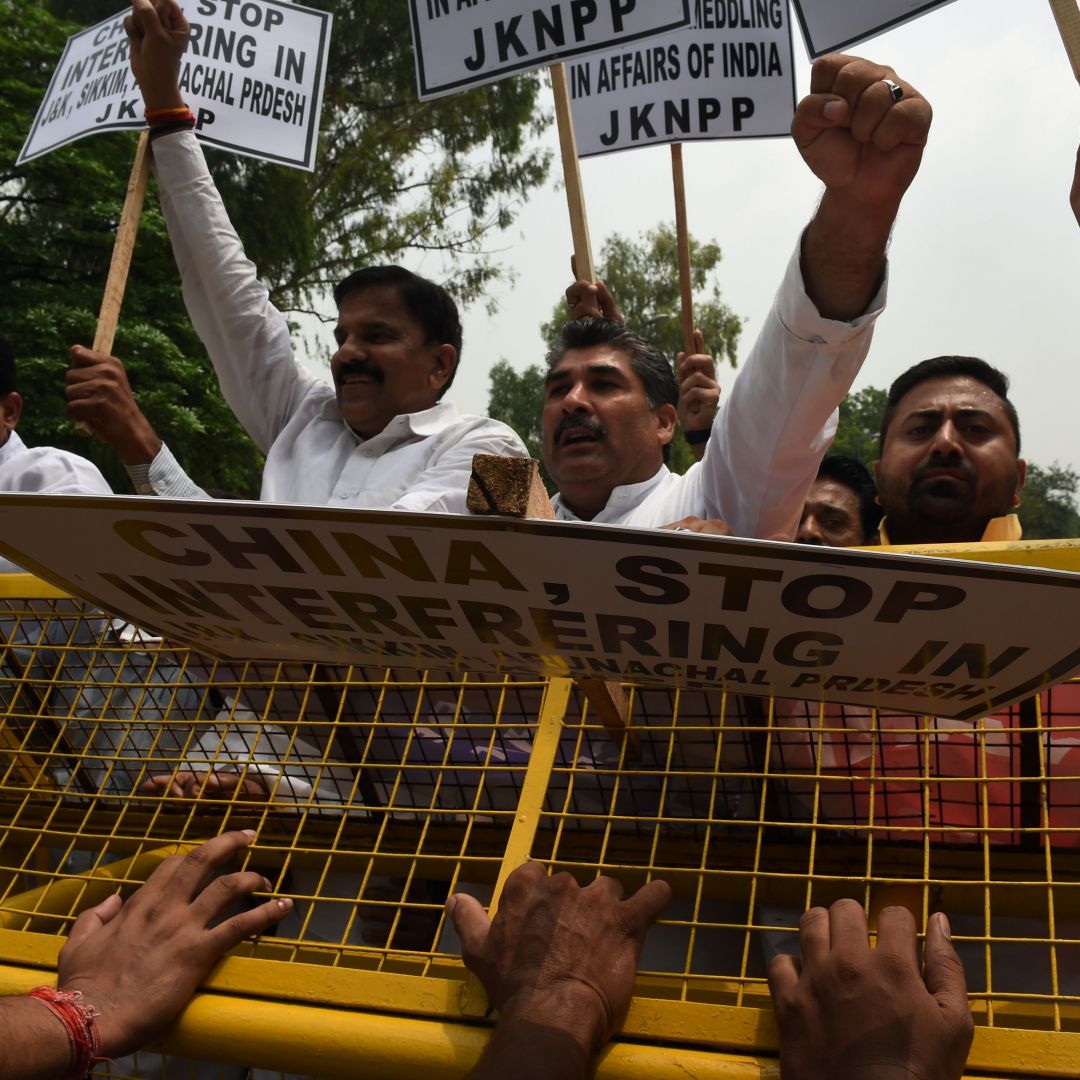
(1067, 14)
(109, 315)
(682, 233)
(575, 195)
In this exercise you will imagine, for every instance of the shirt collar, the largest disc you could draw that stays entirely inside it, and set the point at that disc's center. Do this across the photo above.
(622, 498)
(1000, 528)
(13, 446)
(427, 422)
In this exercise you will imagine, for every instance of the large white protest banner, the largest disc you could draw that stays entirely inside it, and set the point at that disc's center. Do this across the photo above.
(730, 76)
(250, 581)
(831, 25)
(253, 74)
(463, 43)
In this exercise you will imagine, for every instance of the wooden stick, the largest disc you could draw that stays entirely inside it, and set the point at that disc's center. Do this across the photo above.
(1067, 14)
(109, 316)
(575, 195)
(682, 232)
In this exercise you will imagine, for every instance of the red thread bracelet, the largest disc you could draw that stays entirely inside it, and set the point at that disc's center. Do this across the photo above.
(168, 116)
(79, 1022)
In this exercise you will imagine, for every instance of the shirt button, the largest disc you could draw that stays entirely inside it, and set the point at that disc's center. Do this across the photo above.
(817, 340)
(343, 494)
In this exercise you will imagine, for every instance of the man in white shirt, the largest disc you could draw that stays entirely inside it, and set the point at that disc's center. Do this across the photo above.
(39, 469)
(382, 437)
(44, 469)
(610, 405)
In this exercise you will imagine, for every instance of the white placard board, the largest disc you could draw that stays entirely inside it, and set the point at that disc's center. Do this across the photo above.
(834, 25)
(727, 77)
(259, 581)
(253, 75)
(464, 43)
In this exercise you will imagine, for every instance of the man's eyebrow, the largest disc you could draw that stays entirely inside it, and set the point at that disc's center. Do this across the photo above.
(924, 414)
(597, 368)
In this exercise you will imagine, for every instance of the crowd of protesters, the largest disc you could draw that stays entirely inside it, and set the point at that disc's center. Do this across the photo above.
(558, 961)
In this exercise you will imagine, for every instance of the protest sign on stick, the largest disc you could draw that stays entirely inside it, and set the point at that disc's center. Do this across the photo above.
(832, 25)
(253, 75)
(575, 193)
(682, 236)
(462, 45)
(718, 80)
(1067, 14)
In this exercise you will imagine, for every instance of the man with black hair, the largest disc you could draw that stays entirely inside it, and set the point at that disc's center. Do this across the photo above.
(610, 405)
(42, 469)
(841, 509)
(950, 469)
(382, 437)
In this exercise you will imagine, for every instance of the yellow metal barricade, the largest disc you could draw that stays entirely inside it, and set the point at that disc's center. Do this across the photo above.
(375, 793)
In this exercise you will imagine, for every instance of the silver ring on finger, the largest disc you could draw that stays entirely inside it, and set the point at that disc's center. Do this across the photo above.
(895, 89)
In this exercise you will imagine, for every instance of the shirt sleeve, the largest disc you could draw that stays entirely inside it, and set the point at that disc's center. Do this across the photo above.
(165, 478)
(49, 471)
(779, 419)
(443, 487)
(246, 336)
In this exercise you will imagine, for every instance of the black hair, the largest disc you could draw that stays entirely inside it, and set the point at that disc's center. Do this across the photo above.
(430, 304)
(946, 367)
(647, 362)
(650, 365)
(7, 368)
(855, 476)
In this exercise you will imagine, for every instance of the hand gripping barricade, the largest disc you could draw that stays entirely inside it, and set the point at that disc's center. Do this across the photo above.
(377, 792)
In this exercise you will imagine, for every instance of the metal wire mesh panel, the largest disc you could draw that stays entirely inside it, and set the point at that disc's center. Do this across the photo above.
(375, 793)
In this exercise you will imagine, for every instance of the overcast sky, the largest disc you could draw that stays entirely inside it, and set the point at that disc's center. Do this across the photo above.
(985, 256)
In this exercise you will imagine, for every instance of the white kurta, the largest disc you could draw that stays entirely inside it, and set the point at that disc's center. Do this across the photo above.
(420, 461)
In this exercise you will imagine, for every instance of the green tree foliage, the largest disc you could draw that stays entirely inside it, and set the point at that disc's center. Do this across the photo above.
(643, 276)
(393, 175)
(1048, 508)
(860, 423)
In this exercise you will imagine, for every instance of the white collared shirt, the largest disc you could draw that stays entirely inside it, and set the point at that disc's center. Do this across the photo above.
(420, 461)
(48, 471)
(45, 470)
(773, 428)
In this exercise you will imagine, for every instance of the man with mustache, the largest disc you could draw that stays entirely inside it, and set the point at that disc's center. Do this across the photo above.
(950, 469)
(610, 406)
(383, 437)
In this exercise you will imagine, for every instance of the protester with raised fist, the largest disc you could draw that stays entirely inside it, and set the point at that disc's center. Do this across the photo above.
(862, 131)
(382, 437)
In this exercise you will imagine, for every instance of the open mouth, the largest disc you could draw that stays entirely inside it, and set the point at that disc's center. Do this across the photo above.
(357, 374)
(572, 438)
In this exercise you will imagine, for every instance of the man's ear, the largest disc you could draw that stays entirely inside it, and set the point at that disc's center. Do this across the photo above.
(1021, 476)
(10, 410)
(444, 361)
(665, 423)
